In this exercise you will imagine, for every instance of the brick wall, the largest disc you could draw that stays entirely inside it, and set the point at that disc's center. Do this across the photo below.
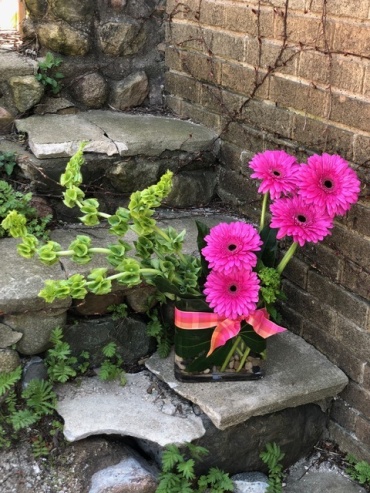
(266, 76)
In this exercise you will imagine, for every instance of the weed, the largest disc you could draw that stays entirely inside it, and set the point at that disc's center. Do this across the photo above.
(178, 473)
(111, 368)
(358, 470)
(47, 75)
(7, 162)
(272, 457)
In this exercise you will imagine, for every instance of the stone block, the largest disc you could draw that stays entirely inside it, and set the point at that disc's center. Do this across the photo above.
(70, 11)
(127, 176)
(183, 36)
(129, 92)
(357, 334)
(193, 188)
(6, 121)
(121, 38)
(8, 336)
(64, 39)
(269, 54)
(91, 90)
(363, 430)
(344, 415)
(348, 442)
(92, 335)
(297, 272)
(12, 64)
(227, 45)
(201, 67)
(9, 360)
(243, 80)
(212, 13)
(249, 19)
(305, 29)
(265, 115)
(36, 328)
(198, 114)
(323, 259)
(36, 8)
(237, 185)
(355, 278)
(26, 90)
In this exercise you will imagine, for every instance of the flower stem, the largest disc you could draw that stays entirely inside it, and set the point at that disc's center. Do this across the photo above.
(244, 358)
(288, 255)
(264, 208)
(231, 352)
(103, 214)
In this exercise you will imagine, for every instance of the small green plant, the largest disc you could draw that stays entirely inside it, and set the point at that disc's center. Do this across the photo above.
(47, 75)
(161, 332)
(7, 162)
(61, 364)
(358, 470)
(272, 457)
(111, 368)
(11, 200)
(178, 474)
(118, 311)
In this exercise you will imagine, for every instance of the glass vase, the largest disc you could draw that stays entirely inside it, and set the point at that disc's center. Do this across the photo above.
(240, 358)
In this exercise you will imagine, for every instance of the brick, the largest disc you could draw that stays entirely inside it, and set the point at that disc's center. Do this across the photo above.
(212, 13)
(354, 8)
(200, 115)
(348, 442)
(245, 137)
(293, 4)
(174, 104)
(186, 36)
(366, 381)
(357, 279)
(304, 29)
(351, 307)
(246, 19)
(341, 72)
(357, 397)
(183, 86)
(223, 102)
(366, 82)
(350, 111)
(350, 246)
(352, 37)
(341, 355)
(343, 414)
(361, 150)
(357, 336)
(311, 309)
(230, 157)
(321, 136)
(267, 116)
(226, 45)
(297, 271)
(323, 260)
(183, 9)
(291, 319)
(270, 54)
(358, 218)
(201, 67)
(298, 95)
(243, 80)
(233, 182)
(363, 429)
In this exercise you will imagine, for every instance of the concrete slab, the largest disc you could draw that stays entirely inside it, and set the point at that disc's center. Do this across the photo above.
(52, 136)
(109, 132)
(13, 64)
(151, 135)
(296, 374)
(139, 409)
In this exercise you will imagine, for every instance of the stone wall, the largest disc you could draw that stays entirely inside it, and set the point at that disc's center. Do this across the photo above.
(266, 75)
(112, 50)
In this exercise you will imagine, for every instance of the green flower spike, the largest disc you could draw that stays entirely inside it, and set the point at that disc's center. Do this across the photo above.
(27, 248)
(15, 224)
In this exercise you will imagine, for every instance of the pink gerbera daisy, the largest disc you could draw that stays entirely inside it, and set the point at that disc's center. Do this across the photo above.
(231, 246)
(277, 170)
(232, 295)
(329, 182)
(304, 222)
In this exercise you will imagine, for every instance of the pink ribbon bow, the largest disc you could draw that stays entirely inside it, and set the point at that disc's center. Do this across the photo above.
(225, 327)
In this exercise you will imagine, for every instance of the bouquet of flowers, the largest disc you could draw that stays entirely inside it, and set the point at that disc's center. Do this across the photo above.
(225, 297)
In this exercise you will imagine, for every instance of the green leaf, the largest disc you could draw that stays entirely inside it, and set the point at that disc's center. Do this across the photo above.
(203, 230)
(269, 251)
(187, 469)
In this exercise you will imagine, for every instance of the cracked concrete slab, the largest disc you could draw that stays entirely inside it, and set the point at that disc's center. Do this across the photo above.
(296, 374)
(140, 409)
(109, 132)
(52, 136)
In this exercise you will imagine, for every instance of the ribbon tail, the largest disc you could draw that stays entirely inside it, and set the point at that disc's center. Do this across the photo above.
(262, 325)
(225, 330)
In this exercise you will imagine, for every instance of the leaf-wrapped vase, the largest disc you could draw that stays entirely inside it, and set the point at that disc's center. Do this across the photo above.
(241, 358)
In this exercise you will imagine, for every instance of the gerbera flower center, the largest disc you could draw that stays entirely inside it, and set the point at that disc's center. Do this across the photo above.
(301, 218)
(232, 247)
(328, 184)
(275, 172)
(233, 288)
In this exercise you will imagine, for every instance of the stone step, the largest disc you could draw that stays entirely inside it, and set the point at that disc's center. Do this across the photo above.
(125, 153)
